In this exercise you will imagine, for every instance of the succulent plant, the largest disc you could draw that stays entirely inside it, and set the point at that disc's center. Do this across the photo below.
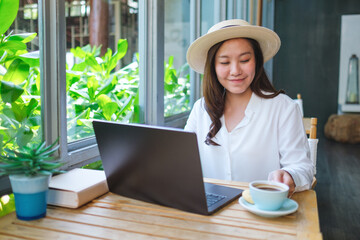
(30, 161)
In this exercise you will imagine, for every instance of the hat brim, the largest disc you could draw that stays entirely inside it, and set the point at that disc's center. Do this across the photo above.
(197, 53)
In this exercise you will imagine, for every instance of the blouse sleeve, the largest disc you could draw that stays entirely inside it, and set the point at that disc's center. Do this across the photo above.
(294, 148)
(192, 120)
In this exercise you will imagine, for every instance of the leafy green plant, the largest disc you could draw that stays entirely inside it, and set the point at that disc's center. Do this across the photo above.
(97, 165)
(30, 161)
(98, 91)
(19, 83)
(8, 12)
(177, 89)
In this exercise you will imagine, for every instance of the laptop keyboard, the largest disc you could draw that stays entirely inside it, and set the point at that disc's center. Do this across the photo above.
(212, 198)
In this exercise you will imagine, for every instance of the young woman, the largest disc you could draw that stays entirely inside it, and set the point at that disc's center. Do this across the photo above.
(246, 129)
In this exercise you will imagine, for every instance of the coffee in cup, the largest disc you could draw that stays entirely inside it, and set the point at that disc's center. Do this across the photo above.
(268, 195)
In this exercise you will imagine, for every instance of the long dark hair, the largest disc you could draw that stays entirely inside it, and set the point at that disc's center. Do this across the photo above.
(213, 91)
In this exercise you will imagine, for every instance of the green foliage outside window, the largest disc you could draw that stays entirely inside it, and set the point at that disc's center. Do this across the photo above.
(19, 83)
(96, 90)
(177, 89)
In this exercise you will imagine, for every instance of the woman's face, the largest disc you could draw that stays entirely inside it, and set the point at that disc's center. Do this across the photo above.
(235, 65)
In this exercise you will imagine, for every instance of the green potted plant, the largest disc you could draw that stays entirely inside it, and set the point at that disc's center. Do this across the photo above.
(29, 169)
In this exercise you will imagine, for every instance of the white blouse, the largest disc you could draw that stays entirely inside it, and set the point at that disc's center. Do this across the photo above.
(271, 136)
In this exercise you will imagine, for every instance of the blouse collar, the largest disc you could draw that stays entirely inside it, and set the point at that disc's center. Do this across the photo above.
(252, 107)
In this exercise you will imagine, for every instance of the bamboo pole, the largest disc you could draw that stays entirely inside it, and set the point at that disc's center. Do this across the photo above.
(259, 8)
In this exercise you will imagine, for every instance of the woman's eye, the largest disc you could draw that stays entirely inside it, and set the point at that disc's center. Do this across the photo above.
(245, 61)
(224, 63)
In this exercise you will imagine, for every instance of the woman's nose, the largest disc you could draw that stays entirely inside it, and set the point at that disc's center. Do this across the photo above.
(235, 69)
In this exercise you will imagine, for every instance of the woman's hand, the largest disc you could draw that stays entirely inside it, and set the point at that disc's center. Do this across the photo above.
(283, 177)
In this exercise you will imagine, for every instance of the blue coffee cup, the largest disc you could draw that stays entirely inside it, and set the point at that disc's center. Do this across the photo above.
(268, 195)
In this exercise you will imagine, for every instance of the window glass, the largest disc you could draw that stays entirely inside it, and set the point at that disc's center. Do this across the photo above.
(177, 40)
(102, 71)
(20, 114)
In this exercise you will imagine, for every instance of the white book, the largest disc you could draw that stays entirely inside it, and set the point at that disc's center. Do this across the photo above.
(76, 187)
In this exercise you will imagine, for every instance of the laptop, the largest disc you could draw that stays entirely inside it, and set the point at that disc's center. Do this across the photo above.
(158, 165)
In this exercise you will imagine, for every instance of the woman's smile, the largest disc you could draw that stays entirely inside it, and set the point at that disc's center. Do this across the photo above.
(237, 79)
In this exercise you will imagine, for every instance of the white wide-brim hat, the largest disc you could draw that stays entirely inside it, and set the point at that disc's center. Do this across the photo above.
(236, 28)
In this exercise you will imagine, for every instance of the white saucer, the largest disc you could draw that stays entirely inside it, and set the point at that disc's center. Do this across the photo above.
(289, 206)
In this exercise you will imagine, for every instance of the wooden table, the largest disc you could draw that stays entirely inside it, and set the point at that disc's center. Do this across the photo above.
(115, 217)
